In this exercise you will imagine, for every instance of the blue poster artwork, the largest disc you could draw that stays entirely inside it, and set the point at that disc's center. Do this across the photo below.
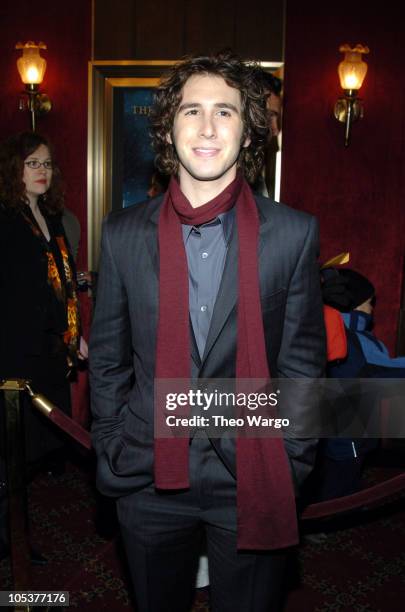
(133, 154)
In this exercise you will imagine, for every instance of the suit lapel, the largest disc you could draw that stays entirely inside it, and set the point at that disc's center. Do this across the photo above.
(264, 225)
(228, 291)
(151, 234)
(227, 294)
(195, 355)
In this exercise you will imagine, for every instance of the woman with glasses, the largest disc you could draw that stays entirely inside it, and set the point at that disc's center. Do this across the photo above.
(39, 324)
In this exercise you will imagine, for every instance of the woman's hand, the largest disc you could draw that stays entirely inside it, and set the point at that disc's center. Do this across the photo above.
(83, 352)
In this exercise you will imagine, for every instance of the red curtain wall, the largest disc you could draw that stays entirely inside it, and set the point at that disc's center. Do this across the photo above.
(357, 193)
(66, 29)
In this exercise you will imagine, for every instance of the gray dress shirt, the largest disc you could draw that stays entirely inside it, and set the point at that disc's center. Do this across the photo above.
(206, 247)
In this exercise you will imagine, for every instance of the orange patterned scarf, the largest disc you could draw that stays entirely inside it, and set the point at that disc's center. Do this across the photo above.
(65, 292)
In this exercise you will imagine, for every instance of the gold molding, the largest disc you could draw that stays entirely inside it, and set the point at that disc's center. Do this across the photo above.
(134, 82)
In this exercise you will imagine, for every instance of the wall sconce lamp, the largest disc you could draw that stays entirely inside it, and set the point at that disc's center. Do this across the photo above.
(352, 71)
(31, 67)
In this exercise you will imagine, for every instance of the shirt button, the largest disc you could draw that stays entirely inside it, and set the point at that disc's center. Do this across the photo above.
(203, 308)
(204, 255)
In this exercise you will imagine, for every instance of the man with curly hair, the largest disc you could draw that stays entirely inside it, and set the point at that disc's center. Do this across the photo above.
(204, 282)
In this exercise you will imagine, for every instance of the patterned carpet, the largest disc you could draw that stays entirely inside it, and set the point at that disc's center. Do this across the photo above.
(359, 565)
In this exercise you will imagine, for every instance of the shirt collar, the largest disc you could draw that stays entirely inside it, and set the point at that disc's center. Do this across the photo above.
(226, 220)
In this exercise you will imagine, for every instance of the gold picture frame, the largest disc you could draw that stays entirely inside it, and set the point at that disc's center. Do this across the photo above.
(104, 77)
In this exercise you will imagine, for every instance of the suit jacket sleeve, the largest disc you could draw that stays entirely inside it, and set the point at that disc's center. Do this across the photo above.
(303, 355)
(111, 368)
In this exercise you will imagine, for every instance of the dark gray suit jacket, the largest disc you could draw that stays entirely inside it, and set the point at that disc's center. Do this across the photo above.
(123, 337)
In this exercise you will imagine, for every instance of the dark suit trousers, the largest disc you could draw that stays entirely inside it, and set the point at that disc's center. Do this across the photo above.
(163, 532)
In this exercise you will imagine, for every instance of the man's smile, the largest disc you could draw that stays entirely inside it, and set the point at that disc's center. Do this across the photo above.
(205, 151)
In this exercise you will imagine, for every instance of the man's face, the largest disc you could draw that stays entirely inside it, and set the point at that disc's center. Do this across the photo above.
(366, 306)
(207, 131)
(273, 105)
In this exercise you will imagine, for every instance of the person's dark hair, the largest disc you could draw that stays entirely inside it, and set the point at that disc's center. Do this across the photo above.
(13, 152)
(345, 289)
(269, 82)
(236, 74)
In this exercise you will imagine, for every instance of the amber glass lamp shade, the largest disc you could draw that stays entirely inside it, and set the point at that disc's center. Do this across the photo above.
(352, 69)
(31, 65)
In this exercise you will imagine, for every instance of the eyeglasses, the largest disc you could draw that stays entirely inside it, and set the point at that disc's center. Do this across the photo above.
(34, 164)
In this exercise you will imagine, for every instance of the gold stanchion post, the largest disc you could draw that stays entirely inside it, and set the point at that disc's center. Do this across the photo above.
(16, 485)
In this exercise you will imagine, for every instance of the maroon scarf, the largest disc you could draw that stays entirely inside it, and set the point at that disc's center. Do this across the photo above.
(265, 495)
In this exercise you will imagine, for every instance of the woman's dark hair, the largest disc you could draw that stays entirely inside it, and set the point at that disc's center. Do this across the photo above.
(13, 152)
(236, 74)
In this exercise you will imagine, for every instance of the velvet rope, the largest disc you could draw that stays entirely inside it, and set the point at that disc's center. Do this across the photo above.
(371, 494)
(54, 414)
(73, 429)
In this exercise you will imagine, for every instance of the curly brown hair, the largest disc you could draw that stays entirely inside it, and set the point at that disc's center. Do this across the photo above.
(236, 74)
(13, 152)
